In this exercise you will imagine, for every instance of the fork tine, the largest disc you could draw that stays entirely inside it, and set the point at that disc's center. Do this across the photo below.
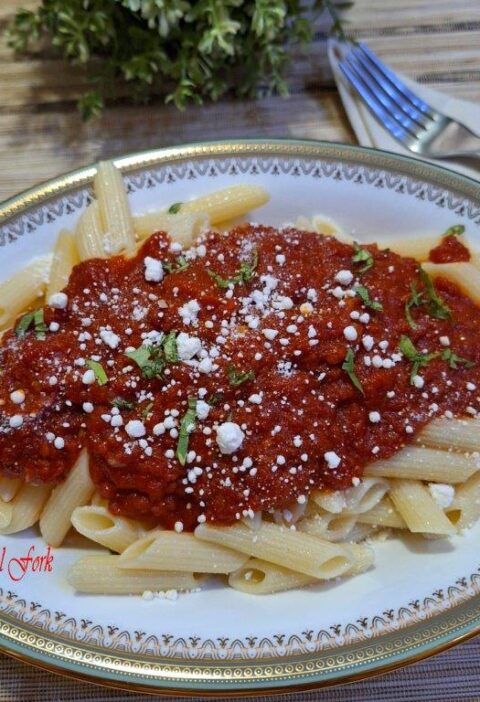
(390, 106)
(399, 85)
(376, 107)
(393, 97)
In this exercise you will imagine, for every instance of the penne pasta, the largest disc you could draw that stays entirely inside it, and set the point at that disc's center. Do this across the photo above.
(383, 514)
(329, 526)
(26, 506)
(65, 257)
(114, 209)
(465, 275)
(101, 526)
(76, 490)
(182, 228)
(257, 577)
(302, 552)
(100, 575)
(465, 508)
(167, 550)
(9, 488)
(6, 514)
(218, 207)
(421, 513)
(23, 290)
(463, 434)
(359, 498)
(418, 248)
(89, 234)
(426, 464)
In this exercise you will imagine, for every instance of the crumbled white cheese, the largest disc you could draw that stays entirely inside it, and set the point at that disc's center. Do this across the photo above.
(350, 333)
(442, 494)
(109, 338)
(189, 312)
(17, 397)
(344, 277)
(229, 437)
(418, 381)
(135, 428)
(58, 300)
(16, 421)
(202, 409)
(153, 269)
(88, 378)
(333, 460)
(188, 346)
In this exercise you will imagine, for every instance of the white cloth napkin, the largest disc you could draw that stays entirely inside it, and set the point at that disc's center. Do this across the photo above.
(370, 133)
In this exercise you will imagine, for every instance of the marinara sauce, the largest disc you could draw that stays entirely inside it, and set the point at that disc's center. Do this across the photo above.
(236, 376)
(449, 250)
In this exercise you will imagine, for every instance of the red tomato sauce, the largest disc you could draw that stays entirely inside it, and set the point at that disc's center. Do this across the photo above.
(450, 250)
(265, 358)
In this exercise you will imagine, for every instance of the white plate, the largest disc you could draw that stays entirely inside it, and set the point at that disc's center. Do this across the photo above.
(421, 597)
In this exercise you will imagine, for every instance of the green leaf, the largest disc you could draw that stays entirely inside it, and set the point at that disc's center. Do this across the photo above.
(436, 306)
(40, 326)
(146, 410)
(362, 256)
(237, 377)
(37, 319)
(181, 264)
(415, 300)
(364, 295)
(150, 359)
(169, 344)
(175, 208)
(418, 359)
(244, 274)
(141, 356)
(23, 324)
(349, 367)
(122, 404)
(187, 425)
(99, 371)
(456, 230)
(454, 361)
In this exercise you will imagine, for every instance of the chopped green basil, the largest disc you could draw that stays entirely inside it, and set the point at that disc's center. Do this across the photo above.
(169, 345)
(214, 399)
(122, 404)
(364, 295)
(187, 425)
(150, 359)
(146, 410)
(456, 230)
(454, 361)
(181, 264)
(175, 208)
(37, 319)
(436, 306)
(415, 300)
(244, 274)
(407, 347)
(362, 256)
(97, 368)
(237, 377)
(349, 367)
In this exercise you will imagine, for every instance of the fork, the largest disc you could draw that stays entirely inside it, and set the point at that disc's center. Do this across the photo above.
(410, 120)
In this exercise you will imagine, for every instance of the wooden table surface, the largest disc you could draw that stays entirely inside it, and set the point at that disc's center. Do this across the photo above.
(436, 42)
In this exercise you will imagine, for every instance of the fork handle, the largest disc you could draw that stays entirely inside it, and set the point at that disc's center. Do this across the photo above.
(454, 141)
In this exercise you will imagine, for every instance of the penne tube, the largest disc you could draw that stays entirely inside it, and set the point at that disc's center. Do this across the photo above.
(89, 235)
(23, 290)
(97, 523)
(26, 506)
(383, 514)
(301, 552)
(465, 275)
(167, 550)
(426, 464)
(421, 513)
(9, 488)
(463, 434)
(418, 248)
(6, 514)
(257, 577)
(65, 257)
(76, 490)
(115, 215)
(359, 498)
(332, 527)
(465, 508)
(182, 228)
(218, 207)
(100, 575)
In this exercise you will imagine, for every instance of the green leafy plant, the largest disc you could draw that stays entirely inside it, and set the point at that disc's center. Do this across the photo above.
(186, 50)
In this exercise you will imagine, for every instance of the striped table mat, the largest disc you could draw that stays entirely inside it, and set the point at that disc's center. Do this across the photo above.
(453, 676)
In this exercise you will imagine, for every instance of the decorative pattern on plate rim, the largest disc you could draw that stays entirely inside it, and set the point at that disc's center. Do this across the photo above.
(113, 638)
(251, 167)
